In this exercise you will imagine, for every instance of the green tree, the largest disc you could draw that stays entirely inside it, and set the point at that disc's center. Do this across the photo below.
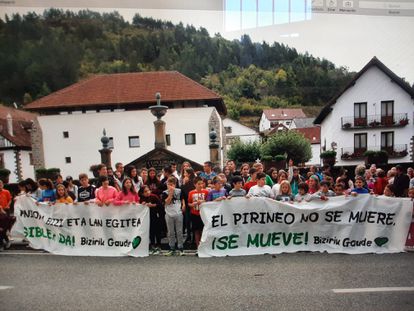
(244, 151)
(291, 143)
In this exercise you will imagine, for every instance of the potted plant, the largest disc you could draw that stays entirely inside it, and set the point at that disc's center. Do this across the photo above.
(404, 122)
(267, 161)
(347, 125)
(328, 157)
(4, 175)
(346, 155)
(374, 123)
(376, 157)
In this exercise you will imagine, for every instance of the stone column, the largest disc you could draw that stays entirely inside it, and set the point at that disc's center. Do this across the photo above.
(214, 147)
(159, 126)
(105, 151)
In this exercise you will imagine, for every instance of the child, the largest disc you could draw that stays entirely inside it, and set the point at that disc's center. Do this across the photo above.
(313, 183)
(281, 176)
(303, 194)
(237, 191)
(389, 191)
(224, 180)
(195, 198)
(217, 193)
(173, 216)
(261, 189)
(48, 193)
(105, 194)
(155, 207)
(359, 186)
(128, 194)
(86, 192)
(324, 191)
(253, 180)
(62, 195)
(339, 188)
(285, 192)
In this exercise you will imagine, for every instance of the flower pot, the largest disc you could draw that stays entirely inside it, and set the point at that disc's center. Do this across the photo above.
(329, 161)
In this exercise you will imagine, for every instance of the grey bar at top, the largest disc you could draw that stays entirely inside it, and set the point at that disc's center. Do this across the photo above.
(212, 5)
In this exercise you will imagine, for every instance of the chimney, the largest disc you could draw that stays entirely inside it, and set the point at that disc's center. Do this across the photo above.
(9, 124)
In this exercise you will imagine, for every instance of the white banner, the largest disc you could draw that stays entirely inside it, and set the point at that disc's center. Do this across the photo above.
(84, 230)
(353, 225)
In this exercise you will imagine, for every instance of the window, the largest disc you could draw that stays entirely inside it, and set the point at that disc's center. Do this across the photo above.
(360, 143)
(168, 139)
(65, 134)
(228, 129)
(387, 112)
(360, 114)
(387, 141)
(190, 139)
(360, 110)
(30, 158)
(68, 159)
(134, 141)
(1, 160)
(111, 143)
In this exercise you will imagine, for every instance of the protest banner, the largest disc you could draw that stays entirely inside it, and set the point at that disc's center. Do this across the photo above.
(84, 230)
(353, 225)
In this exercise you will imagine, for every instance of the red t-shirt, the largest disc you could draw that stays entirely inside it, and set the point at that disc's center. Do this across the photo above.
(195, 195)
(5, 199)
(248, 185)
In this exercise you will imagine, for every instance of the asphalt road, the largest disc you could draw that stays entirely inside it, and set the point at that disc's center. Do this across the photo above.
(303, 281)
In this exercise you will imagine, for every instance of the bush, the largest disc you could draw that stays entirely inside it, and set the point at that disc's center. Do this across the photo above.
(291, 143)
(328, 154)
(244, 152)
(279, 157)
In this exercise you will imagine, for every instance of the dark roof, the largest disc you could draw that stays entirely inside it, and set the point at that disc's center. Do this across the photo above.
(373, 62)
(303, 122)
(313, 134)
(22, 123)
(283, 114)
(128, 90)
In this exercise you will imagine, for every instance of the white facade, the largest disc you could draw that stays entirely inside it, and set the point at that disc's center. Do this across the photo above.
(316, 152)
(266, 124)
(9, 158)
(234, 130)
(84, 132)
(372, 87)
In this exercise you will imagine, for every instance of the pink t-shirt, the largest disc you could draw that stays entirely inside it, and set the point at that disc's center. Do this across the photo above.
(108, 194)
(122, 198)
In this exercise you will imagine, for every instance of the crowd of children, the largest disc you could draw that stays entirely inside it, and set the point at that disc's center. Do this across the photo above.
(174, 198)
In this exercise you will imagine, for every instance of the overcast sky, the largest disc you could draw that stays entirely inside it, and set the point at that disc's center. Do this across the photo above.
(346, 40)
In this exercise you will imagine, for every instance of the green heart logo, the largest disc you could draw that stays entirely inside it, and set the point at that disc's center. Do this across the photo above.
(136, 241)
(380, 241)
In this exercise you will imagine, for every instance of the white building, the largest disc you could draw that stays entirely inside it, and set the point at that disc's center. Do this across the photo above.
(235, 130)
(313, 135)
(72, 120)
(15, 143)
(374, 112)
(283, 117)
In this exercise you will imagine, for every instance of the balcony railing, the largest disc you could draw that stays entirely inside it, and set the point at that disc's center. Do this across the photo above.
(374, 121)
(396, 151)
